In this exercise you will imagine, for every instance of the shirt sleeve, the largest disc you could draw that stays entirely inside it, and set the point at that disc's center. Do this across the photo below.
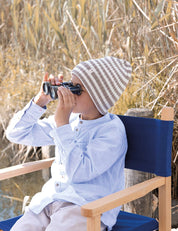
(85, 163)
(26, 127)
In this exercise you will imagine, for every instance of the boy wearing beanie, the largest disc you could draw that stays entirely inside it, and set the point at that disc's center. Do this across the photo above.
(90, 146)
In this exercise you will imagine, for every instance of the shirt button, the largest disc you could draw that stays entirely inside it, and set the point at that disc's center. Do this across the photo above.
(76, 129)
(81, 122)
(57, 184)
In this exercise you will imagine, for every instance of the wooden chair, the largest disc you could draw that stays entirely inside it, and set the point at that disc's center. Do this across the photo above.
(150, 145)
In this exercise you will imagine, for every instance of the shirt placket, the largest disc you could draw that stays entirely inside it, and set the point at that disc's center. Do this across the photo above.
(77, 130)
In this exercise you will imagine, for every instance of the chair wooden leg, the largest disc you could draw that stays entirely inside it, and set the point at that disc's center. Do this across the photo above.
(93, 223)
(165, 206)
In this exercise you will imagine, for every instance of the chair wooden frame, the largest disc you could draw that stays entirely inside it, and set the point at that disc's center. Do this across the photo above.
(93, 210)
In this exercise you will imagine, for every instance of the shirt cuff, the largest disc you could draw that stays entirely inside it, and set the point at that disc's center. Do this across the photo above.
(31, 111)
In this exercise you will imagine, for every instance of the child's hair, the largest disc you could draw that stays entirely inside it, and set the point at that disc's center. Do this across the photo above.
(105, 79)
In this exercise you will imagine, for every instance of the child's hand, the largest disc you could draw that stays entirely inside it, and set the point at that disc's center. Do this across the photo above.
(66, 103)
(41, 99)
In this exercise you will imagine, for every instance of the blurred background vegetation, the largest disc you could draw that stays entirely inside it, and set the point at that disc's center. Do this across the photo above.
(55, 35)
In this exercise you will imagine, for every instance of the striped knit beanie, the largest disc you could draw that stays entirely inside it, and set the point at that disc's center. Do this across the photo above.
(105, 79)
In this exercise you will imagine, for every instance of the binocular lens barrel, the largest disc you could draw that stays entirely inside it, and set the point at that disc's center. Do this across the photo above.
(46, 88)
(52, 89)
(53, 92)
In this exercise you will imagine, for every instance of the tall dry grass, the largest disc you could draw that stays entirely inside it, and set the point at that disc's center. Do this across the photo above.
(42, 35)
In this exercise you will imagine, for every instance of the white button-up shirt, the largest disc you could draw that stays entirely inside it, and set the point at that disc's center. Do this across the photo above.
(89, 157)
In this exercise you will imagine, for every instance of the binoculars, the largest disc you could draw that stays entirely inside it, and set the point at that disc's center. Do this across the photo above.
(51, 90)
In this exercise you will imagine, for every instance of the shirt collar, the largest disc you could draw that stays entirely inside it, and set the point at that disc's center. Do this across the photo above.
(102, 119)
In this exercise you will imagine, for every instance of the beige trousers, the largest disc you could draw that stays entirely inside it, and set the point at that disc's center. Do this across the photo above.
(57, 216)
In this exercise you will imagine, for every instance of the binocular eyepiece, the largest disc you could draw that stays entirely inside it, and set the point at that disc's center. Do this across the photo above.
(52, 89)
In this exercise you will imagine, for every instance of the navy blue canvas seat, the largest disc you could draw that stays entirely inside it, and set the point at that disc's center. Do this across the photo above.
(134, 222)
(125, 222)
(149, 150)
(7, 224)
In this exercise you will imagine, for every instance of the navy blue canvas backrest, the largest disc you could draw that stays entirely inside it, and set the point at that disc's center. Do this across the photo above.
(149, 144)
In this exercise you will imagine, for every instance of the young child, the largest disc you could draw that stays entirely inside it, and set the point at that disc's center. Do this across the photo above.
(90, 146)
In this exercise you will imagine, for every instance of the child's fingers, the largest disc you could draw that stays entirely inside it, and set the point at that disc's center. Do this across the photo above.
(68, 97)
(55, 80)
(45, 78)
(60, 78)
(60, 97)
(65, 95)
(52, 79)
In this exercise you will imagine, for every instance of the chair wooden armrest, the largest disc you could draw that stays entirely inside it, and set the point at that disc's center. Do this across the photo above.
(25, 168)
(93, 210)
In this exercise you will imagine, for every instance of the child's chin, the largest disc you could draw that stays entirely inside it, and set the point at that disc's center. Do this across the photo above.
(75, 110)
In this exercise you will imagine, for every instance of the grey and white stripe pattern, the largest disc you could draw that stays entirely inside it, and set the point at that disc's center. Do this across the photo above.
(105, 79)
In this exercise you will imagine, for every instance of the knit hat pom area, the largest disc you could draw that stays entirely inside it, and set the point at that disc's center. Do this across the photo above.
(105, 79)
